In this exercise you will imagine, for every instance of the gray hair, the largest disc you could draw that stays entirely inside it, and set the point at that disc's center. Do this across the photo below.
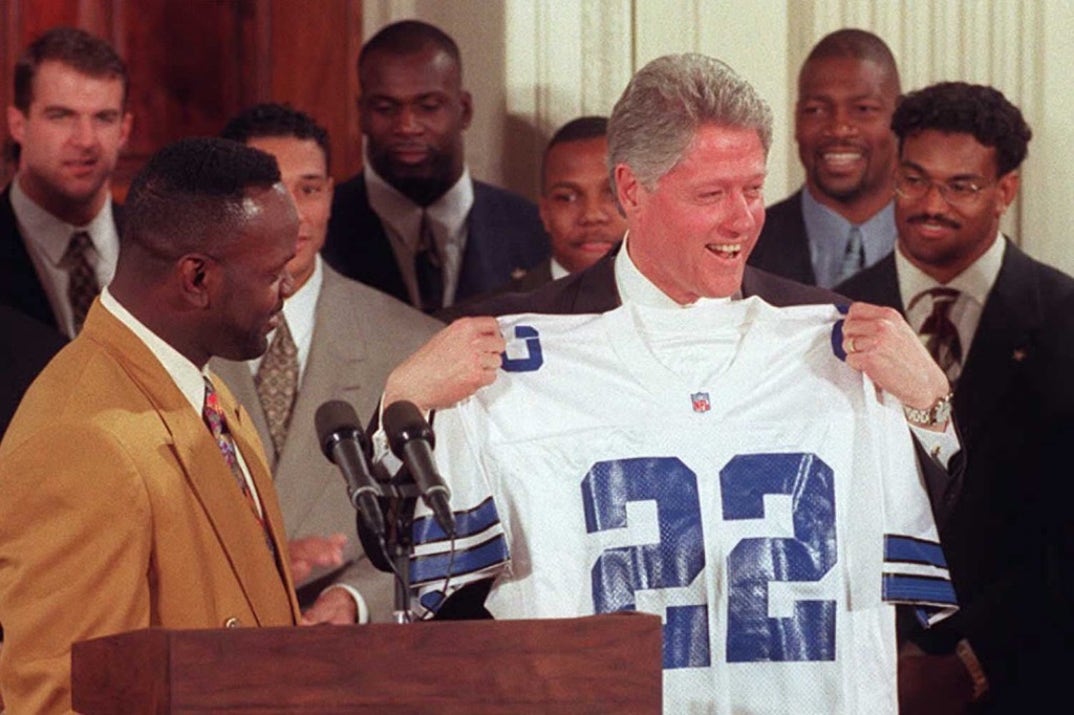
(662, 107)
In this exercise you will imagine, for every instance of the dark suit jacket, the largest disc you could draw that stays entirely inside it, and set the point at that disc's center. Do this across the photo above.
(19, 285)
(1009, 539)
(783, 247)
(25, 347)
(505, 234)
(594, 291)
(531, 280)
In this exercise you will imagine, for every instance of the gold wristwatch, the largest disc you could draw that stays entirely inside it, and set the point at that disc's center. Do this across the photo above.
(936, 414)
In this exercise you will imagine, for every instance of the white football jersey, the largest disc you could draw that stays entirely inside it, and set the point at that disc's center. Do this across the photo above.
(719, 466)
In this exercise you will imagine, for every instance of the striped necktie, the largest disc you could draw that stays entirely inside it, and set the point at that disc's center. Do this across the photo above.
(940, 334)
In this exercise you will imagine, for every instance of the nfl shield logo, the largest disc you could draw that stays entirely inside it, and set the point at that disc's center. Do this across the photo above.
(700, 401)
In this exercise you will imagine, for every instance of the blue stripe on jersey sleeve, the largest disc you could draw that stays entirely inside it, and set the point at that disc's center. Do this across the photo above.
(906, 549)
(467, 523)
(899, 588)
(837, 341)
(433, 567)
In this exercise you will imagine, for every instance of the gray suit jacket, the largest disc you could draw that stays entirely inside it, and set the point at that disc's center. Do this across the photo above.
(359, 336)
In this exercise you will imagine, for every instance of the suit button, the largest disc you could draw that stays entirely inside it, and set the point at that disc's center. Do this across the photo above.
(232, 622)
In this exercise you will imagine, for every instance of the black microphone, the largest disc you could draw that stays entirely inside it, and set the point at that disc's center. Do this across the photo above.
(345, 445)
(412, 441)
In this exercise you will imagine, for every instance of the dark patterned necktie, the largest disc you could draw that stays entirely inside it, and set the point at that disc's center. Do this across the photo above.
(429, 268)
(216, 420)
(941, 335)
(854, 257)
(82, 285)
(277, 383)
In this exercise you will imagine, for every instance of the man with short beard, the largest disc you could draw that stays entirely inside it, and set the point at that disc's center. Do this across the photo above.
(414, 224)
(842, 219)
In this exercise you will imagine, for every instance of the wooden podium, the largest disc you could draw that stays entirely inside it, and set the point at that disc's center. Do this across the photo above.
(597, 664)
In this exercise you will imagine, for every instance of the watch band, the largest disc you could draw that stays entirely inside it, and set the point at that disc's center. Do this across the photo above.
(935, 414)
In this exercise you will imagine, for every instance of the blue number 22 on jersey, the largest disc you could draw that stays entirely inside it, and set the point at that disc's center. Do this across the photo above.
(752, 564)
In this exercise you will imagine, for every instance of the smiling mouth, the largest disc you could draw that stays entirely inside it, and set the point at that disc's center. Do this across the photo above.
(725, 250)
(841, 159)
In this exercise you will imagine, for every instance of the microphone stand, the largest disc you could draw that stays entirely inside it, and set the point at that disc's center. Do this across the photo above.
(402, 496)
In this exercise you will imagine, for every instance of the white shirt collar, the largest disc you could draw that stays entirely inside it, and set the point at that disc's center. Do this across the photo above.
(51, 235)
(300, 312)
(187, 376)
(558, 271)
(635, 287)
(974, 283)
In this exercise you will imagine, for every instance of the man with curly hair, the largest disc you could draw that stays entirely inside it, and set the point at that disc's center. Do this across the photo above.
(1000, 324)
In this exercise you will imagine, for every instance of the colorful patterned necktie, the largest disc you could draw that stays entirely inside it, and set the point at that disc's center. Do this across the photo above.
(941, 335)
(429, 268)
(277, 384)
(82, 285)
(854, 257)
(215, 419)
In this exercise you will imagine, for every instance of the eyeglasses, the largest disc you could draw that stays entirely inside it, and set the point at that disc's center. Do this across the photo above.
(956, 193)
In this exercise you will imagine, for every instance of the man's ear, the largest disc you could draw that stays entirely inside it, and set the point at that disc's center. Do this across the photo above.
(1006, 191)
(195, 277)
(627, 189)
(16, 123)
(467, 103)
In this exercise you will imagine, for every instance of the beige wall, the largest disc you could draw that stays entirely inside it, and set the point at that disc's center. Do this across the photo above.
(533, 64)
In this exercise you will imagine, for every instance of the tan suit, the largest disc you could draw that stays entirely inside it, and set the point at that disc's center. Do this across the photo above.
(359, 336)
(117, 512)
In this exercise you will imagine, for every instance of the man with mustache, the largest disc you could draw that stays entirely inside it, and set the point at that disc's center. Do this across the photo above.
(1002, 326)
(58, 235)
(841, 220)
(414, 224)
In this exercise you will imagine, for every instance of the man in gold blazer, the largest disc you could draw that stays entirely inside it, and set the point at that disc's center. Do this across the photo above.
(120, 508)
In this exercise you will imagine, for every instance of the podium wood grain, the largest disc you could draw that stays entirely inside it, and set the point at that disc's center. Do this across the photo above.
(597, 664)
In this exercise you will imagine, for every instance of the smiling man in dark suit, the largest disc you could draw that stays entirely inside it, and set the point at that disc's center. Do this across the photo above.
(1002, 326)
(414, 224)
(841, 219)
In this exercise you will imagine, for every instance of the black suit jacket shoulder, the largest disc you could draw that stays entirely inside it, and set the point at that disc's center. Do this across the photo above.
(19, 284)
(26, 346)
(783, 246)
(505, 234)
(594, 291)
